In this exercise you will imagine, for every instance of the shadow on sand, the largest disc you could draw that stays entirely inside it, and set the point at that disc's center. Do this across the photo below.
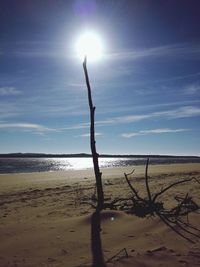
(96, 246)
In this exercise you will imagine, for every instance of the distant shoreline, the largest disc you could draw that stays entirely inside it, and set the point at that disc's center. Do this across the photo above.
(85, 155)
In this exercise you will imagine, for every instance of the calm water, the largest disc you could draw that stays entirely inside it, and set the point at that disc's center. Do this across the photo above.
(19, 165)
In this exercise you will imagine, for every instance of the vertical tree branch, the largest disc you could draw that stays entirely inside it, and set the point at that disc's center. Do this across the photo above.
(146, 181)
(98, 174)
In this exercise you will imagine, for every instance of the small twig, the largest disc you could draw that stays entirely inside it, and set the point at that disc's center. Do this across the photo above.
(132, 188)
(170, 186)
(178, 208)
(131, 172)
(117, 257)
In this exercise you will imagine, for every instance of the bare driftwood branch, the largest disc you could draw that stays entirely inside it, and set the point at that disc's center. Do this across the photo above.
(98, 174)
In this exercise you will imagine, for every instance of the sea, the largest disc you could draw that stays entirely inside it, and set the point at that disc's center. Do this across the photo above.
(27, 165)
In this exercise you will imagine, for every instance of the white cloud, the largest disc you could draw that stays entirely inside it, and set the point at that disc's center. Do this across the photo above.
(153, 131)
(9, 91)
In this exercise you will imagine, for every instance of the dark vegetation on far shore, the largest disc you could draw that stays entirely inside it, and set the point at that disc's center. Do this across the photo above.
(85, 155)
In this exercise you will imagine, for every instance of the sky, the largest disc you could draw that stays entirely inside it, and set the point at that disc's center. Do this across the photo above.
(146, 88)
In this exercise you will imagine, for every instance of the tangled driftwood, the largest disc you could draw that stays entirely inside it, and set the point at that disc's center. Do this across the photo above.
(150, 205)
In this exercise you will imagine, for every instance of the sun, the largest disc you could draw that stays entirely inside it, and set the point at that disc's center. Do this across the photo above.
(89, 44)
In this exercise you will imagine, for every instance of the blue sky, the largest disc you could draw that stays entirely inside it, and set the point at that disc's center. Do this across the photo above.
(146, 89)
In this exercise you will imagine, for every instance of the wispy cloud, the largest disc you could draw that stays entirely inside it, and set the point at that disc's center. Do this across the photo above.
(39, 54)
(186, 50)
(182, 112)
(121, 108)
(77, 126)
(26, 126)
(9, 91)
(192, 89)
(152, 132)
(170, 79)
(76, 85)
(88, 135)
(58, 50)
(8, 109)
(39, 50)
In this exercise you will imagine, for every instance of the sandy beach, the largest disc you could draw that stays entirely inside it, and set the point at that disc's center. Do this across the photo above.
(46, 219)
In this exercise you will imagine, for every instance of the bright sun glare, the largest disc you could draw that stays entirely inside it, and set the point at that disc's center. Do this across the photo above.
(89, 44)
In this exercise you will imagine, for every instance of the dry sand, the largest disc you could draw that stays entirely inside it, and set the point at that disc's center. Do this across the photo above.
(45, 219)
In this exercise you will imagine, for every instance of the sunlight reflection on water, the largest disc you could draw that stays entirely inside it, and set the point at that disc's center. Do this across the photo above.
(86, 163)
(18, 165)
